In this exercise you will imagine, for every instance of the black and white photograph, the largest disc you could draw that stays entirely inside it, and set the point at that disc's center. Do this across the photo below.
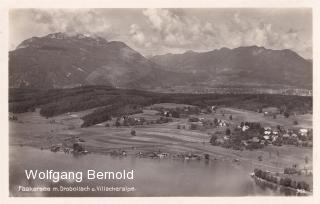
(160, 102)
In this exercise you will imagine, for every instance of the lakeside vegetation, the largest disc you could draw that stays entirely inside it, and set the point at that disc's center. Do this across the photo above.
(283, 181)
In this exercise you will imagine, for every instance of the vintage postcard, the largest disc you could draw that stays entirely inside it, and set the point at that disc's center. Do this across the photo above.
(160, 102)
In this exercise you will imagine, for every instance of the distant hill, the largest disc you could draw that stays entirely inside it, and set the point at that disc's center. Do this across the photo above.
(59, 60)
(244, 66)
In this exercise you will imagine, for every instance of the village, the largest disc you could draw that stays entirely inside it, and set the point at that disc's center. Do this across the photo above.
(224, 130)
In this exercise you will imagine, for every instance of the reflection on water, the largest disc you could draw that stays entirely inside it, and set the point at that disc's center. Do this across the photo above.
(152, 177)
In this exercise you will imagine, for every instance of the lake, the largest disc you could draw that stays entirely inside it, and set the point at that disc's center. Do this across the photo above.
(152, 177)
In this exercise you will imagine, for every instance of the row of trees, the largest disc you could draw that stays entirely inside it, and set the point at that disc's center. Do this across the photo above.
(287, 182)
(104, 114)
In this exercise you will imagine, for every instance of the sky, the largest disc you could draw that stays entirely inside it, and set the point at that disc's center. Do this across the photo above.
(161, 31)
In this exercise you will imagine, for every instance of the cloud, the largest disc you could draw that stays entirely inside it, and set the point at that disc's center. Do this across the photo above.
(74, 21)
(136, 34)
(38, 22)
(172, 31)
(159, 31)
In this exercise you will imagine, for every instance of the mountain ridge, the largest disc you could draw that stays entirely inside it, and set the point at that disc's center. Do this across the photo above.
(60, 60)
(243, 64)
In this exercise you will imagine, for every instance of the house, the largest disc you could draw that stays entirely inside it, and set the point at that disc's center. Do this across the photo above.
(255, 139)
(303, 132)
(266, 137)
(267, 132)
(267, 128)
(245, 127)
(285, 135)
(226, 138)
(274, 138)
(162, 155)
(214, 108)
(244, 143)
(219, 141)
(306, 171)
(167, 114)
(270, 111)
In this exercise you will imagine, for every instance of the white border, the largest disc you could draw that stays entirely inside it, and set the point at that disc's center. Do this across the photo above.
(5, 5)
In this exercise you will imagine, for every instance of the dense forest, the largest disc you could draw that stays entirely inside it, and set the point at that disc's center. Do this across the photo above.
(114, 102)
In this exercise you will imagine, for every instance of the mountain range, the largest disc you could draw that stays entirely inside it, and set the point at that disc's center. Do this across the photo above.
(59, 60)
(243, 66)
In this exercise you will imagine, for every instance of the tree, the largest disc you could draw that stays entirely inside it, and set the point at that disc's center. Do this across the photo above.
(279, 128)
(228, 131)
(133, 132)
(175, 114)
(193, 126)
(193, 119)
(295, 122)
(77, 147)
(213, 139)
(286, 114)
(283, 109)
(230, 117)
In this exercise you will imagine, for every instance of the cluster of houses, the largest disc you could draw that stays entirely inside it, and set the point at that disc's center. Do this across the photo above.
(185, 111)
(162, 155)
(278, 136)
(77, 148)
(215, 122)
(270, 135)
(207, 123)
(130, 121)
(252, 135)
(270, 111)
(135, 121)
(178, 111)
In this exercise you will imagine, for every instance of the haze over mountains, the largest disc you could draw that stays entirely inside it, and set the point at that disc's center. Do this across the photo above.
(59, 60)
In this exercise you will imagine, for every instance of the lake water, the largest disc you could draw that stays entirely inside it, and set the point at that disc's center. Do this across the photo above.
(152, 177)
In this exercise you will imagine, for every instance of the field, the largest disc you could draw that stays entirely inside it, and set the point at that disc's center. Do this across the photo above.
(34, 130)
